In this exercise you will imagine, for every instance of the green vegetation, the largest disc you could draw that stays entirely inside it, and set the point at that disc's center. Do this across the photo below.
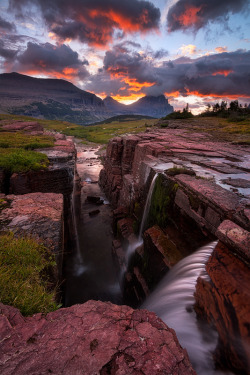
(185, 113)
(234, 112)
(97, 133)
(19, 160)
(122, 118)
(26, 141)
(52, 110)
(23, 266)
(162, 198)
(16, 153)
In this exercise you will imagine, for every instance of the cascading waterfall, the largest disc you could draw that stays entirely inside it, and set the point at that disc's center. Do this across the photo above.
(132, 247)
(79, 266)
(147, 205)
(173, 301)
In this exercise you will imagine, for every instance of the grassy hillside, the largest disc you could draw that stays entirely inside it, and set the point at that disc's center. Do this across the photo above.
(96, 133)
(220, 128)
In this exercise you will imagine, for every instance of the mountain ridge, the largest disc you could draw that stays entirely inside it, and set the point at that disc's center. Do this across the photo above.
(59, 99)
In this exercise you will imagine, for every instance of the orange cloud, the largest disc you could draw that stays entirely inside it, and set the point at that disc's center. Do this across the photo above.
(173, 94)
(189, 49)
(214, 95)
(189, 17)
(222, 72)
(66, 73)
(221, 49)
(136, 86)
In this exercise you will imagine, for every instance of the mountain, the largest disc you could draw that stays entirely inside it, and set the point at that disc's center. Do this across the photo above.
(57, 99)
(153, 106)
(49, 98)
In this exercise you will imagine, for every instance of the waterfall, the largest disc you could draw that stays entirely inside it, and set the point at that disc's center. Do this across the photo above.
(79, 267)
(147, 206)
(173, 301)
(133, 246)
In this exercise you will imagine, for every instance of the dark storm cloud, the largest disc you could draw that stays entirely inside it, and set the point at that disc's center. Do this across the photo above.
(6, 26)
(133, 66)
(160, 54)
(7, 53)
(225, 74)
(195, 14)
(94, 21)
(59, 61)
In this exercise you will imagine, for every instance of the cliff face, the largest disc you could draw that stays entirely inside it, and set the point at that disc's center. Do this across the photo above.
(186, 211)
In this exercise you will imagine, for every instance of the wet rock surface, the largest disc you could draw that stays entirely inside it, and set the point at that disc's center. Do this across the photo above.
(93, 338)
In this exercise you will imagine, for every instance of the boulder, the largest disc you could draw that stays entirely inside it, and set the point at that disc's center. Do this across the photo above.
(93, 338)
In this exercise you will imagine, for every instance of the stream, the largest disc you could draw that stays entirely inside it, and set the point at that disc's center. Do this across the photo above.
(89, 271)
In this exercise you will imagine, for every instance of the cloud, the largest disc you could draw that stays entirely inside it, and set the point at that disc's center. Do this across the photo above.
(195, 14)
(7, 53)
(49, 60)
(221, 49)
(188, 49)
(218, 75)
(6, 26)
(94, 21)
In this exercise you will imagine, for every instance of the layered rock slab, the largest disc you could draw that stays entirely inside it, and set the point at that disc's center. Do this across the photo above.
(93, 338)
(39, 215)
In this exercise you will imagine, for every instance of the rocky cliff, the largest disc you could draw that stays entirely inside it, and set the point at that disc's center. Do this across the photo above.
(202, 186)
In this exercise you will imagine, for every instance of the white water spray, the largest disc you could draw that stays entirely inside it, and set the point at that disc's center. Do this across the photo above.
(147, 206)
(173, 301)
(79, 267)
(137, 243)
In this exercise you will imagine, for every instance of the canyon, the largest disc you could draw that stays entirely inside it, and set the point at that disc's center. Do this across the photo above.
(200, 193)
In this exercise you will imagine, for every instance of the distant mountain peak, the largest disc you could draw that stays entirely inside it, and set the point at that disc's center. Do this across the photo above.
(153, 106)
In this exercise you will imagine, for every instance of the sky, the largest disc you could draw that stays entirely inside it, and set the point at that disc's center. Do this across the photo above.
(192, 51)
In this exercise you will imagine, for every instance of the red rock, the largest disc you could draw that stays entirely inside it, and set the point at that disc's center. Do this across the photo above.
(93, 338)
(37, 214)
(236, 238)
(29, 126)
(225, 302)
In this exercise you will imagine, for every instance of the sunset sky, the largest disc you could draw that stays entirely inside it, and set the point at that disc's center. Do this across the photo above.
(193, 51)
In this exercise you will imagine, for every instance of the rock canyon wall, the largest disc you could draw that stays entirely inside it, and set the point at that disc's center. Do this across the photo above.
(201, 193)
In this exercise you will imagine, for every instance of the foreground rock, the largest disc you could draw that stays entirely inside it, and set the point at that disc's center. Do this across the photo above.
(93, 338)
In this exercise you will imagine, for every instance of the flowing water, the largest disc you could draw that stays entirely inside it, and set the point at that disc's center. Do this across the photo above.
(133, 246)
(173, 301)
(147, 205)
(90, 272)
